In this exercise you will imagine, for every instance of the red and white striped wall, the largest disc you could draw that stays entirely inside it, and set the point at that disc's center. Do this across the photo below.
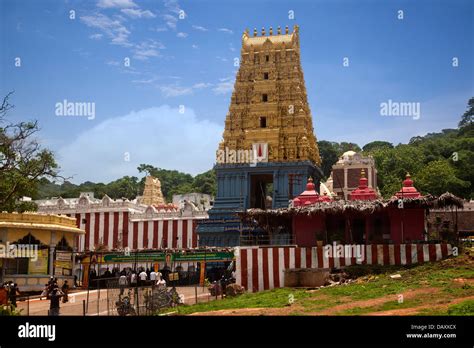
(262, 268)
(111, 227)
(166, 233)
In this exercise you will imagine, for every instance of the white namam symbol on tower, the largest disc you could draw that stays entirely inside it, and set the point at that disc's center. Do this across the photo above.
(259, 153)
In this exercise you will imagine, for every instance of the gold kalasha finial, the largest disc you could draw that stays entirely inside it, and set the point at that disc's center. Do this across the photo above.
(255, 32)
(270, 32)
(286, 30)
(263, 31)
(279, 30)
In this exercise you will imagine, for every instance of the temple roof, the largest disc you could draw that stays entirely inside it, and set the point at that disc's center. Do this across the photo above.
(277, 38)
(363, 192)
(407, 190)
(310, 196)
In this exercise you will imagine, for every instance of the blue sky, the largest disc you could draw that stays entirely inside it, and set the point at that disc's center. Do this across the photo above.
(189, 62)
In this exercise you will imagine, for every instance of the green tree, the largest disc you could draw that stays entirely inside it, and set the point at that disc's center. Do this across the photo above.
(23, 163)
(329, 155)
(438, 177)
(374, 145)
(468, 117)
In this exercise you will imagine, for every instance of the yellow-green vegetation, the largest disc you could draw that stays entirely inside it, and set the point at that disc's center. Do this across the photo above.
(439, 288)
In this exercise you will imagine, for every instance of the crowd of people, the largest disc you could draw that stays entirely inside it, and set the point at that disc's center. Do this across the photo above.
(134, 278)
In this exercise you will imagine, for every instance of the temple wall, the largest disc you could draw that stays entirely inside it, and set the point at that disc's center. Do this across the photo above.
(263, 268)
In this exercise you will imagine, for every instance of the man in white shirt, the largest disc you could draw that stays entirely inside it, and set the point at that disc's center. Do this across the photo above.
(153, 276)
(142, 277)
(133, 279)
(122, 283)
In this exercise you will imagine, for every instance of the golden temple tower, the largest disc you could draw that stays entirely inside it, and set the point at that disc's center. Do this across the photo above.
(152, 194)
(269, 102)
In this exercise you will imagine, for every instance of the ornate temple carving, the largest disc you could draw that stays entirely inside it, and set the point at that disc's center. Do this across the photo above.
(269, 103)
(152, 194)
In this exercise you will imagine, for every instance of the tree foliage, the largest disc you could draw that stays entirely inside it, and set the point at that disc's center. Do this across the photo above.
(23, 163)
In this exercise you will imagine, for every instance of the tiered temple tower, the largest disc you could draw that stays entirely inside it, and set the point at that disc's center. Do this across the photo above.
(269, 148)
(152, 194)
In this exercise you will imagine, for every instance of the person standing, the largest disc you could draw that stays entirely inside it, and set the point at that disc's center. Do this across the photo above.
(65, 290)
(143, 278)
(55, 297)
(133, 279)
(153, 277)
(122, 283)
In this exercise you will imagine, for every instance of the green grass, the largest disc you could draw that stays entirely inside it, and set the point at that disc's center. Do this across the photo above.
(438, 274)
(266, 299)
(463, 308)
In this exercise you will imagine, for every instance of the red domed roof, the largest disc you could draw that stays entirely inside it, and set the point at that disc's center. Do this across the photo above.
(363, 192)
(408, 190)
(309, 196)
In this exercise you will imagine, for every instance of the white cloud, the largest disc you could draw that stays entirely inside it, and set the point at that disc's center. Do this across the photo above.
(198, 27)
(113, 63)
(172, 6)
(112, 28)
(202, 85)
(182, 35)
(147, 49)
(221, 58)
(137, 13)
(169, 140)
(195, 46)
(225, 85)
(96, 36)
(170, 21)
(231, 47)
(225, 30)
(175, 91)
(116, 4)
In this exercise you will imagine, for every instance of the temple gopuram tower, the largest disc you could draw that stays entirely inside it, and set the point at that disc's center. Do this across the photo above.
(268, 148)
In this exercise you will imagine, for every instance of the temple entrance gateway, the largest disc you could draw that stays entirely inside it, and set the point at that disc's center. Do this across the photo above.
(261, 191)
(268, 113)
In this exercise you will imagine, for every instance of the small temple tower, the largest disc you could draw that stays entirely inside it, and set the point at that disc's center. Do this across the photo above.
(152, 194)
(268, 148)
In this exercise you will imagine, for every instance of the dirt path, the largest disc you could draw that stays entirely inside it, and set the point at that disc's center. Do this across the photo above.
(376, 301)
(329, 311)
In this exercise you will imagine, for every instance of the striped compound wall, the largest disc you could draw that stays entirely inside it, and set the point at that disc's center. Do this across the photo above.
(112, 227)
(261, 268)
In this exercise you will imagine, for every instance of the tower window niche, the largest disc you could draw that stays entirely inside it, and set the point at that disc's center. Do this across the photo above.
(264, 97)
(267, 58)
(265, 76)
(263, 122)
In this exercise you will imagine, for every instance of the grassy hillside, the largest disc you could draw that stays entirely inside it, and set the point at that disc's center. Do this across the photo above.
(441, 288)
